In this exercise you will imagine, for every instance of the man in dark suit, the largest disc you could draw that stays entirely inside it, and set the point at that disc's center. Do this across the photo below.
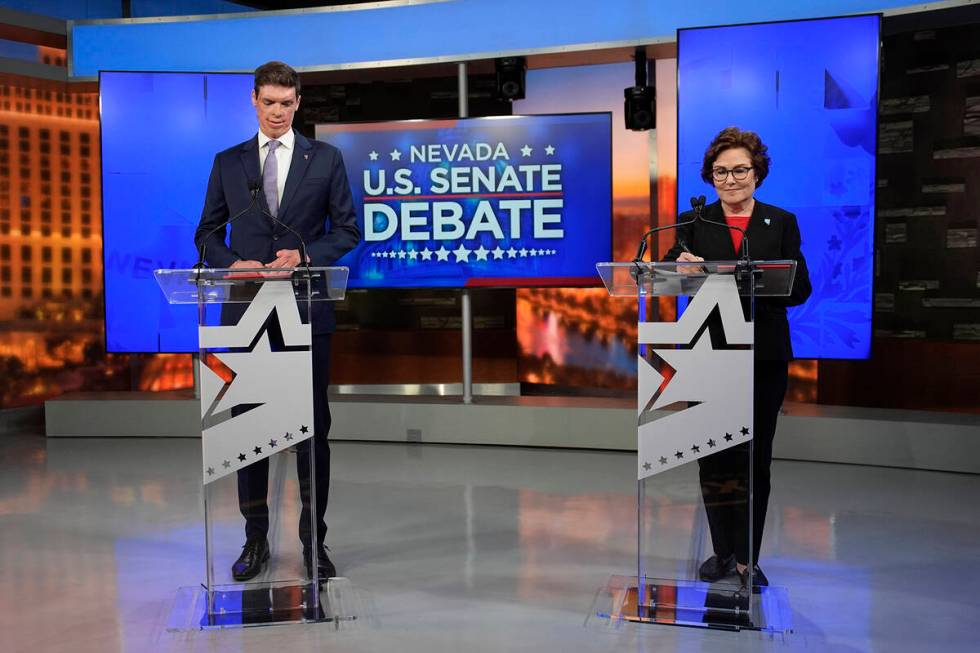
(302, 184)
(736, 163)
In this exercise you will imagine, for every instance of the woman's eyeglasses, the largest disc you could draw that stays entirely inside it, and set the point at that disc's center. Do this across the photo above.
(739, 173)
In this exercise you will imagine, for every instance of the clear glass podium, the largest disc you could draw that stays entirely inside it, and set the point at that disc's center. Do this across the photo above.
(258, 450)
(694, 447)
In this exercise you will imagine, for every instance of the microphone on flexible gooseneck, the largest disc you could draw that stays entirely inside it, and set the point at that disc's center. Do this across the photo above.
(642, 249)
(304, 259)
(253, 191)
(745, 238)
(697, 203)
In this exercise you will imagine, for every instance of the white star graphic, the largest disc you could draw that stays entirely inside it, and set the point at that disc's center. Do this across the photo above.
(246, 388)
(442, 254)
(373, 155)
(713, 382)
(413, 254)
(426, 254)
(401, 254)
(694, 375)
(481, 253)
(526, 151)
(511, 253)
(462, 254)
(396, 155)
(522, 252)
(533, 252)
(498, 253)
(549, 150)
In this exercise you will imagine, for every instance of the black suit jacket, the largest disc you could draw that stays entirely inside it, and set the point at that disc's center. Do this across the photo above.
(316, 203)
(777, 239)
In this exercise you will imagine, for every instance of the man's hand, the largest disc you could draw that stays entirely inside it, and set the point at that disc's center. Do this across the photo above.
(285, 258)
(243, 264)
(252, 265)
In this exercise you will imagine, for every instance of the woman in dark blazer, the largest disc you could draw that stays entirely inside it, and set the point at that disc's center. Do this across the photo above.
(736, 163)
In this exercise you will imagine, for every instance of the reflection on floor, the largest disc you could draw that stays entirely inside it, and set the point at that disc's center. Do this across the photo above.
(473, 549)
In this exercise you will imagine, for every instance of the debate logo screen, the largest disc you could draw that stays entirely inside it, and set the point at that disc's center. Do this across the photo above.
(501, 201)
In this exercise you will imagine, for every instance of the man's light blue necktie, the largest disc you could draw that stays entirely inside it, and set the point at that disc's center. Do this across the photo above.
(270, 178)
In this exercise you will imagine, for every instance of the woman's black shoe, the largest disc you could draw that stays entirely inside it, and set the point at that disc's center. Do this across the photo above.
(250, 562)
(715, 568)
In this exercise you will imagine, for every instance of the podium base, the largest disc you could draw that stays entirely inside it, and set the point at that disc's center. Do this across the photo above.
(264, 604)
(724, 606)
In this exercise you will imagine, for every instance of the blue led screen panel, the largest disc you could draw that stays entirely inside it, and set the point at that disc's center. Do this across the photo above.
(810, 89)
(160, 132)
(504, 201)
(414, 32)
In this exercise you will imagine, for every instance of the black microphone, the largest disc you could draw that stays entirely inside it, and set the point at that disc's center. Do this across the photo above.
(745, 238)
(304, 259)
(253, 190)
(697, 203)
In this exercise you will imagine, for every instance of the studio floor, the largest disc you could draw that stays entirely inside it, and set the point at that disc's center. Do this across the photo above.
(464, 548)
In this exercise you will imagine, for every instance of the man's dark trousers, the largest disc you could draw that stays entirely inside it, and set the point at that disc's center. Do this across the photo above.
(253, 481)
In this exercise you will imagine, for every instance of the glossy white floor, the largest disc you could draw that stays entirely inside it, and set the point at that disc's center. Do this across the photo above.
(473, 549)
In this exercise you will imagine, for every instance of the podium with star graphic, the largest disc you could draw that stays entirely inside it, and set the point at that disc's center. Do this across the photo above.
(256, 387)
(694, 444)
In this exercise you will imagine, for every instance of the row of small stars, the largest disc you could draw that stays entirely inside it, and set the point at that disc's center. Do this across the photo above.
(696, 449)
(462, 253)
(273, 443)
(396, 154)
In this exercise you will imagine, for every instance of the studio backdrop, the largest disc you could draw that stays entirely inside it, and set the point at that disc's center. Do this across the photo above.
(810, 89)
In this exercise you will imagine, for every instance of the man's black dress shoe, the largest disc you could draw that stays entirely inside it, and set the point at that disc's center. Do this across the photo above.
(743, 577)
(759, 579)
(250, 562)
(325, 568)
(715, 568)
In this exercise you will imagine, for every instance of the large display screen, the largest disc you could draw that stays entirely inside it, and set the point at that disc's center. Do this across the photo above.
(510, 201)
(810, 89)
(501, 201)
(160, 132)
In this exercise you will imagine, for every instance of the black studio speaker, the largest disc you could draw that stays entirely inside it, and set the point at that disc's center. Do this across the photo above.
(510, 77)
(640, 108)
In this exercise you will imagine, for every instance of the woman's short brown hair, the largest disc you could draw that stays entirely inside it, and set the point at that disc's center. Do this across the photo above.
(731, 138)
(276, 73)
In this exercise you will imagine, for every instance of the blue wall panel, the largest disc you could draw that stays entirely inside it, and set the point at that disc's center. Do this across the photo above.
(112, 9)
(450, 30)
(810, 90)
(160, 133)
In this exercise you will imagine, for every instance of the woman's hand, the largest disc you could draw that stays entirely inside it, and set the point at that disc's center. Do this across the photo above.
(687, 257)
